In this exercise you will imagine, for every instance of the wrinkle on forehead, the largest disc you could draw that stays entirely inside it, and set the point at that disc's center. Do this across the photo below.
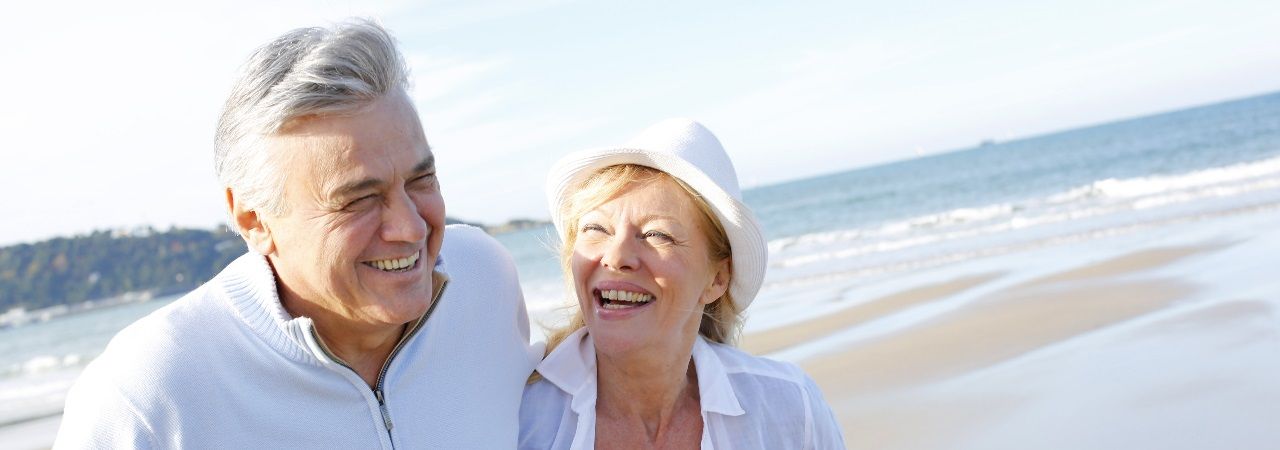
(647, 201)
(324, 147)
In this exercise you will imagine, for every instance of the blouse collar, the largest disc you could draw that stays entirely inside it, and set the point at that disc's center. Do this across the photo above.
(572, 368)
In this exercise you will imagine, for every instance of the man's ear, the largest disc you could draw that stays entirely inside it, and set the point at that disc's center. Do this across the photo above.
(249, 224)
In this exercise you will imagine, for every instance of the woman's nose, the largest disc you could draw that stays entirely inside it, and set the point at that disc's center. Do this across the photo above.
(620, 253)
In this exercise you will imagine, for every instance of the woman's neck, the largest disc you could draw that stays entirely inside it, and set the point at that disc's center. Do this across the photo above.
(648, 389)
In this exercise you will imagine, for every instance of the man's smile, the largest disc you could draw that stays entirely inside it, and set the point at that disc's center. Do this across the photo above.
(404, 264)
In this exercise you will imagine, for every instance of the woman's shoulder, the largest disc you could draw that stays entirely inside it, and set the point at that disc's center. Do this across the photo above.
(755, 379)
(778, 396)
(544, 412)
(737, 361)
(543, 403)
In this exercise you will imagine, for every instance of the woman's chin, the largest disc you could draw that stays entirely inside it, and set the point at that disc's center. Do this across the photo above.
(611, 341)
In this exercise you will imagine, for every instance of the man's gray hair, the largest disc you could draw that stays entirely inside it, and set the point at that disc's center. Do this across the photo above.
(305, 72)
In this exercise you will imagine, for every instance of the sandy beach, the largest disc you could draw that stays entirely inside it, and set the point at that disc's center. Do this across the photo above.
(1155, 337)
(32, 434)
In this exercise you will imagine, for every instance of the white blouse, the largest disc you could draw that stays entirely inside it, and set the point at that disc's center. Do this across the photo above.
(747, 402)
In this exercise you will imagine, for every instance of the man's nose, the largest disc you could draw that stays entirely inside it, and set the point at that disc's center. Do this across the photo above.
(402, 222)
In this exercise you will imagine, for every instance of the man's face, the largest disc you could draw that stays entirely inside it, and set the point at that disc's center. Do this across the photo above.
(365, 218)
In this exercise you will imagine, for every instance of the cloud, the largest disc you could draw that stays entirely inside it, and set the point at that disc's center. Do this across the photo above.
(437, 76)
(495, 170)
(438, 16)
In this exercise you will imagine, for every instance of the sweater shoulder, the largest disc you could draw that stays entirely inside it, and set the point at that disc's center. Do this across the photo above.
(461, 238)
(469, 250)
(156, 344)
(153, 357)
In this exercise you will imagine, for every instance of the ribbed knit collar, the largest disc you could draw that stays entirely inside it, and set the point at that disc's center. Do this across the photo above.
(249, 286)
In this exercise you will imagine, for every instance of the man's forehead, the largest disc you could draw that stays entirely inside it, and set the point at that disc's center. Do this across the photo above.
(332, 152)
(353, 177)
(381, 142)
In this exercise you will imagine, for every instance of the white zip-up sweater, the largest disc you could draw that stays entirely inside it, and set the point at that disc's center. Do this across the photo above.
(227, 367)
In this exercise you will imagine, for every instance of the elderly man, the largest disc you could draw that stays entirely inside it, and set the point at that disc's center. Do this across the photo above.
(357, 319)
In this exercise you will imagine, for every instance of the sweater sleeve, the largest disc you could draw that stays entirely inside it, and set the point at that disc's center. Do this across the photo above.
(479, 255)
(97, 415)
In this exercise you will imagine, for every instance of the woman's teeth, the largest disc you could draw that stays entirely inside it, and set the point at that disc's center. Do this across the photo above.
(395, 264)
(616, 299)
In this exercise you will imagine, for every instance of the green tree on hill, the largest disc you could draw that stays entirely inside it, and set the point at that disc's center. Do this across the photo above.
(106, 264)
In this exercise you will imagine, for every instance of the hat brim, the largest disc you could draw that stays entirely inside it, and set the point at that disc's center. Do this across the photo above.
(746, 239)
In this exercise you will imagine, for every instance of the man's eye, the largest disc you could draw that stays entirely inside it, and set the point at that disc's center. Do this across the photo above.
(424, 180)
(359, 202)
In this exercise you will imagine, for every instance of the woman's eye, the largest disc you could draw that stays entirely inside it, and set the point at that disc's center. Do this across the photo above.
(657, 236)
(591, 227)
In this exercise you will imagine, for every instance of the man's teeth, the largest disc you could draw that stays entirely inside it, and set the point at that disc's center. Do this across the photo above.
(394, 264)
(635, 298)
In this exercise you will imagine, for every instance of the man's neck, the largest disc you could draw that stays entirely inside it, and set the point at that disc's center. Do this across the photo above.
(362, 347)
(365, 352)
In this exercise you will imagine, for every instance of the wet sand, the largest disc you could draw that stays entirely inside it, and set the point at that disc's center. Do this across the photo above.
(32, 434)
(962, 376)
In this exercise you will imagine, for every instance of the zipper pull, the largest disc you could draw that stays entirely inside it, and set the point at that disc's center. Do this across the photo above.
(386, 416)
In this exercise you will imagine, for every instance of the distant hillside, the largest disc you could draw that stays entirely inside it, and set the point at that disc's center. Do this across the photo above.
(515, 225)
(106, 264)
(111, 263)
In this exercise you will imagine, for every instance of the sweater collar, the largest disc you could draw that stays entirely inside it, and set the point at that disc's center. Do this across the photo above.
(249, 285)
(572, 368)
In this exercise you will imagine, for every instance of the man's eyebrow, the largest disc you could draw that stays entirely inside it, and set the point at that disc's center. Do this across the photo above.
(427, 164)
(349, 189)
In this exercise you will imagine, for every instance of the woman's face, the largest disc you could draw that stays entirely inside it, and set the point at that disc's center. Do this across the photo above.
(642, 272)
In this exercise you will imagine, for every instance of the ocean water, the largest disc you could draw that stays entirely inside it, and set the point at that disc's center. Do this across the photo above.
(1000, 197)
(946, 207)
(40, 360)
(864, 224)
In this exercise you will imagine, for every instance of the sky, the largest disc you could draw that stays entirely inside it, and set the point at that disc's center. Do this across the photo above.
(109, 108)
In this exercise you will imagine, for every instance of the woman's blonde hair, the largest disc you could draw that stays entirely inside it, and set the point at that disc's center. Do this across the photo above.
(721, 321)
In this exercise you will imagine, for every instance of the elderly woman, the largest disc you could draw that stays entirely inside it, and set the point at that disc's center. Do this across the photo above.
(663, 258)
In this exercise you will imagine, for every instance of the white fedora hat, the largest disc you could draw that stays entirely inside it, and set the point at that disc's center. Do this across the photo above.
(688, 151)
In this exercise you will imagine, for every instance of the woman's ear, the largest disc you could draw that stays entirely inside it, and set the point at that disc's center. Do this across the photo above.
(719, 282)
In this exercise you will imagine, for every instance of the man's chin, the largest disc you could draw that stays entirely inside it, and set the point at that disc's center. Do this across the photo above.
(406, 307)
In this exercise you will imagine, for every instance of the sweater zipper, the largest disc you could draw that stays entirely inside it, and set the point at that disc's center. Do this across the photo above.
(382, 374)
(386, 416)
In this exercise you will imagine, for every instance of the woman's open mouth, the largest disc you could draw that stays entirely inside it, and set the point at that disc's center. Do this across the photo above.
(621, 299)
